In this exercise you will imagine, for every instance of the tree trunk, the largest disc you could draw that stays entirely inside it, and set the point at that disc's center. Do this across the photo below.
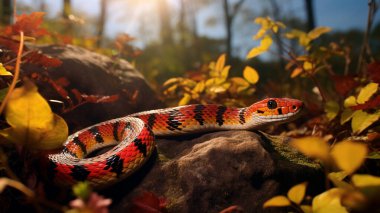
(166, 31)
(5, 12)
(310, 15)
(66, 11)
(228, 24)
(102, 21)
(280, 48)
(230, 12)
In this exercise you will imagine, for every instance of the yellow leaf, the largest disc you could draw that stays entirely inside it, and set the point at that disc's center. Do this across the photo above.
(224, 72)
(303, 58)
(364, 180)
(306, 208)
(172, 81)
(32, 122)
(316, 32)
(313, 147)
(171, 89)
(265, 43)
(28, 109)
(260, 33)
(185, 100)
(296, 72)
(328, 201)
(220, 62)
(3, 71)
(361, 120)
(346, 116)
(188, 83)
(199, 87)
(217, 89)
(294, 34)
(331, 109)
(250, 75)
(277, 201)
(350, 101)
(337, 179)
(238, 84)
(366, 93)
(349, 155)
(239, 81)
(297, 193)
(307, 66)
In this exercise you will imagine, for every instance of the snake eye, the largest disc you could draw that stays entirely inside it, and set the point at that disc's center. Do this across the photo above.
(272, 104)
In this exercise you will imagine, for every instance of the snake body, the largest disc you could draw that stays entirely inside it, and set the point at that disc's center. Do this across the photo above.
(133, 137)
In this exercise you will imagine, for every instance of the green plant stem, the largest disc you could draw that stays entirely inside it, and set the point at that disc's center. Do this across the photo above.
(16, 74)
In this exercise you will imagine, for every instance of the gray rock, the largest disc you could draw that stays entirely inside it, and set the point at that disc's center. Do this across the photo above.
(95, 74)
(214, 171)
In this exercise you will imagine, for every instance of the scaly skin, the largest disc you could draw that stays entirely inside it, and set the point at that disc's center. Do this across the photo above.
(133, 137)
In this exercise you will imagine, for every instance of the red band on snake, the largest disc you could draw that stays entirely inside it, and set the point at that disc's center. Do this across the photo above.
(133, 137)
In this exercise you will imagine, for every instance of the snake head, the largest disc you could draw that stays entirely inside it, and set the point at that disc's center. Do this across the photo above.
(274, 110)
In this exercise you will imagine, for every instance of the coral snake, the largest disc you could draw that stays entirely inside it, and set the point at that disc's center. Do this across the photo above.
(132, 137)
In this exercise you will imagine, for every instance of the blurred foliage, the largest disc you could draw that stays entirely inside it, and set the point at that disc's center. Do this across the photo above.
(212, 84)
(326, 69)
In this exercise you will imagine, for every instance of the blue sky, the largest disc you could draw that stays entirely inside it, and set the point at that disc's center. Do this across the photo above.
(337, 14)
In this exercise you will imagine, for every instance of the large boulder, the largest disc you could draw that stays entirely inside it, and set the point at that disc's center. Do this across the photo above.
(95, 74)
(214, 171)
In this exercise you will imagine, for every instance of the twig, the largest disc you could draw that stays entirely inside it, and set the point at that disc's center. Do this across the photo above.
(365, 46)
(16, 75)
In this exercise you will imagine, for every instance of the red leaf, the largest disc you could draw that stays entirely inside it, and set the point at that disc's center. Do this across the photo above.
(9, 44)
(29, 24)
(38, 58)
(370, 104)
(374, 71)
(232, 209)
(148, 202)
(99, 98)
(344, 84)
(78, 95)
(62, 82)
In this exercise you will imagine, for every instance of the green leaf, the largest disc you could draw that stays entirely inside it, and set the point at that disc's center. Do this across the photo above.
(349, 155)
(3, 71)
(331, 109)
(277, 201)
(250, 75)
(346, 116)
(361, 120)
(3, 93)
(328, 201)
(82, 190)
(374, 155)
(297, 193)
(366, 93)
